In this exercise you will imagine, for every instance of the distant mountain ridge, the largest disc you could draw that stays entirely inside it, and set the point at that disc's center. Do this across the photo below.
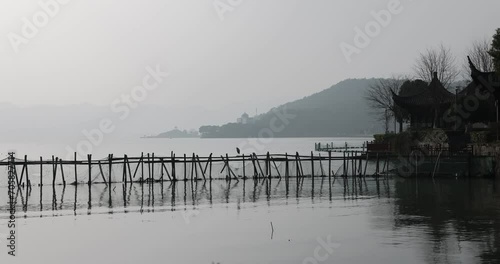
(340, 110)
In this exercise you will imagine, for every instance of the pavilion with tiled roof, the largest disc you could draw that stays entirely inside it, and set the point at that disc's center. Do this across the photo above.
(428, 106)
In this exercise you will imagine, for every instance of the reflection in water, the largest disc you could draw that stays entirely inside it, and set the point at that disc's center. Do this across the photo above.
(453, 213)
(446, 218)
(88, 199)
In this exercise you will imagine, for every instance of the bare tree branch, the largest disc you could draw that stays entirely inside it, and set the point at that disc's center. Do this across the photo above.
(480, 56)
(440, 60)
(379, 95)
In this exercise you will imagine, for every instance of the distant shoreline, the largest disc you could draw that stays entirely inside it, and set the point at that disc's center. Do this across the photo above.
(345, 136)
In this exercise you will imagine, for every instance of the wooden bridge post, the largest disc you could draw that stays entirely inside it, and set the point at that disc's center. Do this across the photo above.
(62, 172)
(192, 167)
(185, 169)
(162, 165)
(41, 171)
(76, 172)
(152, 167)
(286, 167)
(53, 171)
(321, 165)
(110, 157)
(129, 171)
(258, 164)
(141, 161)
(124, 176)
(172, 156)
(343, 164)
(297, 169)
(210, 166)
(149, 167)
(312, 165)
(195, 167)
(89, 158)
(355, 165)
(27, 174)
(329, 164)
(243, 158)
(268, 172)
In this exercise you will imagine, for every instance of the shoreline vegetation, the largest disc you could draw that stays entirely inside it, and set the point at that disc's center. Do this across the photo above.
(338, 111)
(176, 133)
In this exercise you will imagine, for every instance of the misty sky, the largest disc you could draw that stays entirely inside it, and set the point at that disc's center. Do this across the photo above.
(263, 53)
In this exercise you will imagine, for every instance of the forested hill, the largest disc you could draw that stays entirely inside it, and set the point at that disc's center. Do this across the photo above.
(340, 110)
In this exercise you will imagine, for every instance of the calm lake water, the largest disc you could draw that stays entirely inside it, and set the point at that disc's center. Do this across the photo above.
(318, 220)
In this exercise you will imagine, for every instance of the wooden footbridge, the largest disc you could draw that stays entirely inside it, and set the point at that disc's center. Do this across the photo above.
(151, 168)
(330, 147)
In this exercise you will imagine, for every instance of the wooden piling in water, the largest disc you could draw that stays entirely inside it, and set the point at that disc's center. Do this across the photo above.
(54, 170)
(258, 164)
(28, 183)
(321, 166)
(355, 165)
(102, 173)
(287, 175)
(210, 166)
(124, 174)
(297, 169)
(255, 172)
(312, 165)
(41, 171)
(89, 158)
(62, 172)
(229, 167)
(329, 164)
(152, 167)
(76, 172)
(173, 166)
(343, 165)
(164, 167)
(268, 172)
(129, 170)
(110, 157)
(276, 167)
(149, 168)
(243, 163)
(192, 167)
(201, 168)
(185, 168)
(195, 167)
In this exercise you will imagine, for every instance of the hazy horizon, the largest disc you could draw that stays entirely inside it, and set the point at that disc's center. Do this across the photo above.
(92, 52)
(239, 55)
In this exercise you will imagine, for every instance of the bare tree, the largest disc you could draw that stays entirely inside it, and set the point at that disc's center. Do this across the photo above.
(480, 56)
(379, 97)
(440, 60)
